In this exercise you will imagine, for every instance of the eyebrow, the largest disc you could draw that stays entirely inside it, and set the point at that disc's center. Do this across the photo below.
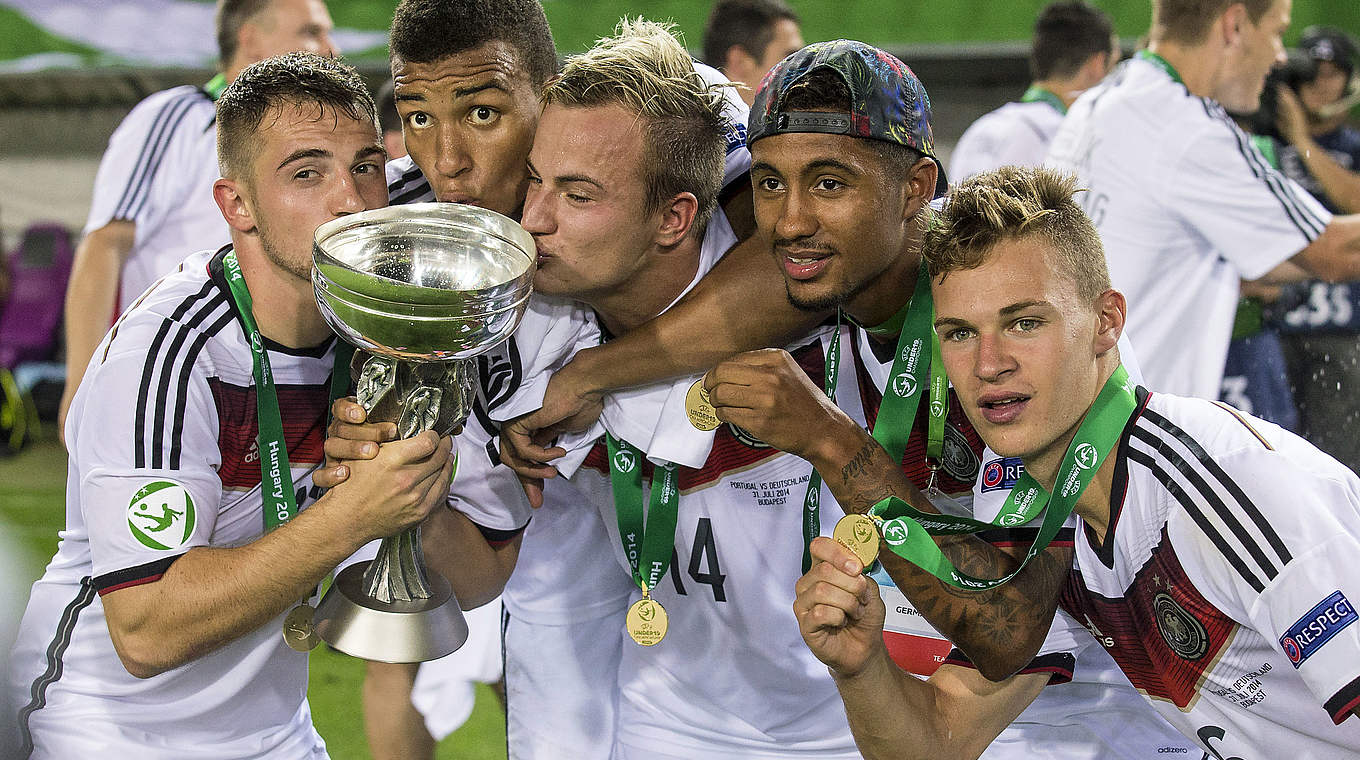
(298, 155)
(821, 163)
(370, 151)
(1022, 305)
(462, 92)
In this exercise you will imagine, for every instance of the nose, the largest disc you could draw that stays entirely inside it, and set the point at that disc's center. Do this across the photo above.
(794, 220)
(537, 217)
(453, 157)
(347, 198)
(326, 45)
(994, 359)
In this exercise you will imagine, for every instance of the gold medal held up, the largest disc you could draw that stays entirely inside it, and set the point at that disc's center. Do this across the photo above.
(647, 622)
(298, 631)
(859, 534)
(701, 413)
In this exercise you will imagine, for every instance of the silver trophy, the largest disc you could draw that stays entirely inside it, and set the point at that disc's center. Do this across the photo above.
(421, 289)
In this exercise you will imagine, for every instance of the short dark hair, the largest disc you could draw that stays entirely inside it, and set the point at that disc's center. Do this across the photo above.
(1066, 35)
(746, 23)
(1188, 21)
(231, 15)
(296, 79)
(825, 90)
(425, 31)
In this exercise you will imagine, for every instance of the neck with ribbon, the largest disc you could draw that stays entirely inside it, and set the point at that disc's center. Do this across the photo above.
(908, 532)
(276, 478)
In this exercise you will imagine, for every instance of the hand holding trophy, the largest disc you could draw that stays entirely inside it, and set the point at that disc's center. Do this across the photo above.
(421, 289)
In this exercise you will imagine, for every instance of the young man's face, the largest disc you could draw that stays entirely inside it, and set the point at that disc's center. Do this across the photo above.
(586, 203)
(833, 212)
(1261, 47)
(469, 120)
(308, 169)
(288, 26)
(1020, 347)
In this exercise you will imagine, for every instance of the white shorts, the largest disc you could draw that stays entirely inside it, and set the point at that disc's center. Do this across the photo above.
(443, 692)
(561, 687)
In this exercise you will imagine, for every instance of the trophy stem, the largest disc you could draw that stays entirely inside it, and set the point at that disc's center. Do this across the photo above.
(398, 572)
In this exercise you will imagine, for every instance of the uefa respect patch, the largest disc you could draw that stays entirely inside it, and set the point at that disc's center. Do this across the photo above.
(1317, 627)
(161, 515)
(999, 474)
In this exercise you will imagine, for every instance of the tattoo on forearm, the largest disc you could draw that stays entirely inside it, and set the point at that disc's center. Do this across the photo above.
(859, 463)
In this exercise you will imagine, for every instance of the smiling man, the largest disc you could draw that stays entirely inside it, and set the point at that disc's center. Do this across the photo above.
(193, 524)
(1215, 554)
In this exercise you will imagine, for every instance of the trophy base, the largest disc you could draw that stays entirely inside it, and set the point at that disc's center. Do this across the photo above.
(415, 631)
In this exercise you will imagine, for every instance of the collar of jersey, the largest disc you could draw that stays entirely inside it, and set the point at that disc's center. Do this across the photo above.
(1161, 63)
(1040, 95)
(215, 86)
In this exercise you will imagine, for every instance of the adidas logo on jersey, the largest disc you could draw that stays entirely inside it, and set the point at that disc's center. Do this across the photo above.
(1106, 641)
(253, 453)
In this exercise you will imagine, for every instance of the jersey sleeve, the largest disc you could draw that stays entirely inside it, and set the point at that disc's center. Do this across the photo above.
(129, 184)
(488, 492)
(147, 457)
(1226, 191)
(1290, 565)
(514, 375)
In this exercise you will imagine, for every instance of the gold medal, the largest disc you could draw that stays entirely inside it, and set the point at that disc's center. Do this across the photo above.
(647, 622)
(701, 413)
(298, 631)
(859, 534)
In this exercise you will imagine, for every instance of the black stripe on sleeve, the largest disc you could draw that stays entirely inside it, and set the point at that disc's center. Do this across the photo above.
(1344, 701)
(1302, 218)
(1059, 665)
(1230, 485)
(149, 372)
(133, 576)
(149, 160)
(1192, 509)
(66, 626)
(412, 195)
(184, 330)
(182, 390)
(499, 537)
(410, 175)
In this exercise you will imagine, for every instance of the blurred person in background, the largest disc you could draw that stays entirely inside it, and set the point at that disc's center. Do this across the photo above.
(1074, 48)
(1321, 321)
(1186, 206)
(746, 38)
(153, 193)
(390, 120)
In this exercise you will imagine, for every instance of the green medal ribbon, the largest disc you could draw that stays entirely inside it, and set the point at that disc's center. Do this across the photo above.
(276, 478)
(912, 372)
(908, 532)
(1040, 95)
(215, 86)
(648, 540)
(1161, 63)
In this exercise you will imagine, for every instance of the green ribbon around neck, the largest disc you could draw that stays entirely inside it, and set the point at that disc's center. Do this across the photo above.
(648, 539)
(908, 532)
(276, 477)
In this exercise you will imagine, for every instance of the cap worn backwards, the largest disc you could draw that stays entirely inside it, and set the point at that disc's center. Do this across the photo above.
(887, 101)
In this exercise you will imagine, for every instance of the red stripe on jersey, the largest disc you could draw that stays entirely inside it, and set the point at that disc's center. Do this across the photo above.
(1163, 633)
(131, 583)
(304, 409)
(914, 458)
(921, 655)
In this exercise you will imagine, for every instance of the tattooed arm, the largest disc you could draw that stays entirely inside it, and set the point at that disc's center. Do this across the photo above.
(1000, 630)
(769, 395)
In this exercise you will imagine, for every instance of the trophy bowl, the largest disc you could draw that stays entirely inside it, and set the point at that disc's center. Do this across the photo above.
(422, 288)
(423, 282)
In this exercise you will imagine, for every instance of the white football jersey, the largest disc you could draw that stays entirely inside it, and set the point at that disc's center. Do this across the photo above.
(163, 459)
(1226, 582)
(1186, 207)
(158, 172)
(1014, 134)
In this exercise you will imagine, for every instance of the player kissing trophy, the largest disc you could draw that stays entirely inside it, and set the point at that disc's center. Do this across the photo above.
(421, 289)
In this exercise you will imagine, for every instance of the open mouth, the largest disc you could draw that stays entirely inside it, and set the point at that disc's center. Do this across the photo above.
(1002, 408)
(805, 266)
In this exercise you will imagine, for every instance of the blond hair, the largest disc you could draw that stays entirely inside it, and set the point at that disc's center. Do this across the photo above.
(1016, 202)
(646, 71)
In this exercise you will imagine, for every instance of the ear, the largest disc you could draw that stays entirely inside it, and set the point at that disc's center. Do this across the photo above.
(1233, 23)
(1111, 310)
(738, 65)
(1094, 70)
(677, 217)
(919, 187)
(232, 202)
